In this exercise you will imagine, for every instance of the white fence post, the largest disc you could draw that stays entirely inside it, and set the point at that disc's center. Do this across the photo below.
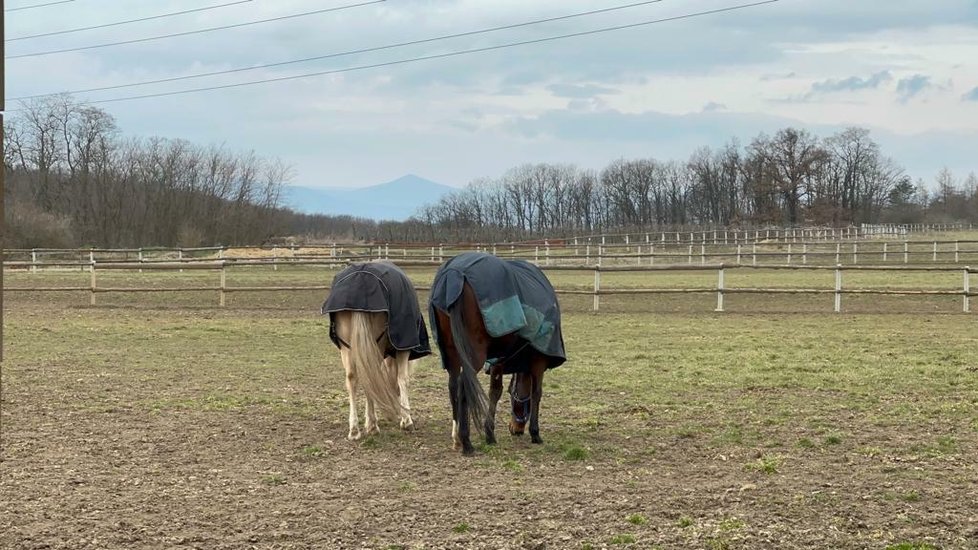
(957, 251)
(738, 254)
(789, 253)
(547, 245)
(703, 251)
(804, 253)
(33, 260)
(223, 282)
(855, 253)
(906, 252)
(838, 252)
(597, 286)
(753, 247)
(935, 251)
(967, 290)
(91, 300)
(838, 288)
(690, 253)
(587, 253)
(884, 253)
(720, 289)
(91, 258)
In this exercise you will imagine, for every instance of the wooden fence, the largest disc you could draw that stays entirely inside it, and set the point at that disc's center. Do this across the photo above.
(720, 289)
(755, 253)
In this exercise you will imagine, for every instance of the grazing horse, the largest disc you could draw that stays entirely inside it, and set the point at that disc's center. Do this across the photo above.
(375, 321)
(503, 316)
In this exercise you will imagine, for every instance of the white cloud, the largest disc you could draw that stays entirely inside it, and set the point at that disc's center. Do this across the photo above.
(585, 100)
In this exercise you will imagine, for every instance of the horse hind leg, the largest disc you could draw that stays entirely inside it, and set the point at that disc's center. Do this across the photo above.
(537, 369)
(370, 411)
(351, 389)
(402, 366)
(495, 391)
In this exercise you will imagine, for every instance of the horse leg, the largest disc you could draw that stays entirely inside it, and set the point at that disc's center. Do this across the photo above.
(351, 389)
(537, 369)
(453, 375)
(495, 391)
(370, 412)
(403, 368)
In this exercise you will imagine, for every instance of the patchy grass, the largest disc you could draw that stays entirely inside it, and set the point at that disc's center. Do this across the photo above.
(622, 539)
(765, 464)
(661, 396)
(636, 519)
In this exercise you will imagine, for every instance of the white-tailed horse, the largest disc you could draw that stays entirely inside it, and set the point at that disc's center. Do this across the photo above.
(377, 325)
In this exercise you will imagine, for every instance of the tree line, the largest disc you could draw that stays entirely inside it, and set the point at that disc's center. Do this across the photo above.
(791, 178)
(73, 179)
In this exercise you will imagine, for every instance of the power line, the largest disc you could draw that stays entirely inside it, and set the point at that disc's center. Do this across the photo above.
(199, 31)
(348, 52)
(128, 21)
(442, 55)
(32, 6)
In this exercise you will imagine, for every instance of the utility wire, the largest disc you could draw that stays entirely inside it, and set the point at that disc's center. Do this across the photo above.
(32, 6)
(442, 55)
(126, 22)
(199, 31)
(348, 52)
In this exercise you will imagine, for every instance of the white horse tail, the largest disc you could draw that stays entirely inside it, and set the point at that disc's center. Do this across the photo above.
(378, 382)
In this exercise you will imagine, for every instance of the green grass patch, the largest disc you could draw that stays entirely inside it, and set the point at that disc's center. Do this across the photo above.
(624, 538)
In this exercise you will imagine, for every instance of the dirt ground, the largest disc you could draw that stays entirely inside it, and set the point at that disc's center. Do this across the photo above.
(151, 428)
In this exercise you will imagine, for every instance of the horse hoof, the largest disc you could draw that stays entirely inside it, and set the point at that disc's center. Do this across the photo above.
(490, 439)
(456, 445)
(354, 434)
(536, 439)
(373, 430)
(468, 451)
(407, 424)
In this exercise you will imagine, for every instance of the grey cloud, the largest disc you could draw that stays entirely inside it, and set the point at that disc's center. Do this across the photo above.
(580, 91)
(851, 84)
(909, 87)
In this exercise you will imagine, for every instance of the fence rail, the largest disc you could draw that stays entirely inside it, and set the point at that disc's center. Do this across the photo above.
(596, 291)
(825, 252)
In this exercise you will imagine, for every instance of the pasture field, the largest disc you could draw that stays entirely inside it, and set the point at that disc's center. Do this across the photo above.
(162, 421)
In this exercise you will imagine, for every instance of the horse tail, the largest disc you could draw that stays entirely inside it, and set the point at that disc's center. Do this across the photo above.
(476, 401)
(368, 365)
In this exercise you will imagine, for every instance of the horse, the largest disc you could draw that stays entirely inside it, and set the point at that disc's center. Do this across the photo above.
(377, 325)
(501, 316)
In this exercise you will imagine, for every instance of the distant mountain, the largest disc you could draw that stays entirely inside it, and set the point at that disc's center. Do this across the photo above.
(394, 200)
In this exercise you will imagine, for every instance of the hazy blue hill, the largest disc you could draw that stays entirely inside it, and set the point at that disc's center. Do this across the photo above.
(394, 200)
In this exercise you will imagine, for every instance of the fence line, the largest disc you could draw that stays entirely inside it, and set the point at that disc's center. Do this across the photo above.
(596, 291)
(850, 253)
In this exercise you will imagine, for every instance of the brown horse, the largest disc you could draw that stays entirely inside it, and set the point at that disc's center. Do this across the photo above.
(511, 345)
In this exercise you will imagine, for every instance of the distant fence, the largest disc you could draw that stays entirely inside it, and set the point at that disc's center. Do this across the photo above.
(720, 289)
(754, 253)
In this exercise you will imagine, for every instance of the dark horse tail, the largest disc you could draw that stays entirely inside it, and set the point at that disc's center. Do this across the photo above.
(472, 395)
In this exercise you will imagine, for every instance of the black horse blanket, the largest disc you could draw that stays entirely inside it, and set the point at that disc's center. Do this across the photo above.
(514, 297)
(380, 286)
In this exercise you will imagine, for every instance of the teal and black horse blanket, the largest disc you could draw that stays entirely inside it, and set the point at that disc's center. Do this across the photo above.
(514, 297)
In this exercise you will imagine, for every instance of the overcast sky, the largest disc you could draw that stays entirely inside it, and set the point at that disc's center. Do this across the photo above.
(907, 70)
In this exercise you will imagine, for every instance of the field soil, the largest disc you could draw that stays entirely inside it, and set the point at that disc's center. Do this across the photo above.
(181, 427)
